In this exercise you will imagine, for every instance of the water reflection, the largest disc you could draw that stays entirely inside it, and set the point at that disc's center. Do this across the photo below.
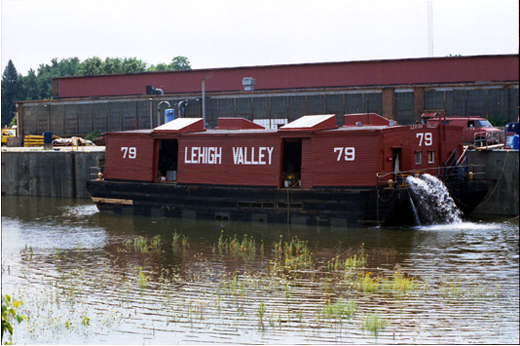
(87, 277)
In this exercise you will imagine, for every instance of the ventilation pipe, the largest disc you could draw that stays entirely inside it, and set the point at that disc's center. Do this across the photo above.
(181, 107)
(159, 110)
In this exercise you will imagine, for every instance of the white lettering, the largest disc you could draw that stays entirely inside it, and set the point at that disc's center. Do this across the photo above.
(250, 156)
(350, 153)
(130, 152)
(203, 155)
(261, 155)
(270, 151)
(427, 138)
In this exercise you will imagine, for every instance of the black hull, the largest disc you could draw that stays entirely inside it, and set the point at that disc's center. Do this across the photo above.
(327, 207)
(331, 207)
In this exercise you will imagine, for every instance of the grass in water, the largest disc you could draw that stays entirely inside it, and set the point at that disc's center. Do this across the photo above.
(236, 248)
(293, 254)
(180, 241)
(373, 323)
(340, 309)
(142, 280)
(143, 245)
(366, 283)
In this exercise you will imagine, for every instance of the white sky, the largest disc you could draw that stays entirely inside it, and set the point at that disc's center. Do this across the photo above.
(228, 33)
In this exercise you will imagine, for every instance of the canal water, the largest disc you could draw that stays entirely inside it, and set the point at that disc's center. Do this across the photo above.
(87, 277)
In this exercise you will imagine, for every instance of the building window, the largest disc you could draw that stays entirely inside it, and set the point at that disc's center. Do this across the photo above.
(431, 156)
(418, 157)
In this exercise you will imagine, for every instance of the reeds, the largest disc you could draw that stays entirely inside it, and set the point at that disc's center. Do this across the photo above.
(144, 245)
(236, 248)
(179, 242)
(366, 283)
(293, 254)
(373, 323)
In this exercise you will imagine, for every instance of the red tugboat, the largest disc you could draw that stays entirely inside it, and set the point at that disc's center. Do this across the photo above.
(309, 171)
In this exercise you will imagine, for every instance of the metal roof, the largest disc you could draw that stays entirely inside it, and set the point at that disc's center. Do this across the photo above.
(469, 69)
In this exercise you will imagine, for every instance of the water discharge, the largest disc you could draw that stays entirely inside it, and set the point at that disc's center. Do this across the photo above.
(431, 201)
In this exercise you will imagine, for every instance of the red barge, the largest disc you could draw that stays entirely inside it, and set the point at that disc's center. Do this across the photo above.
(309, 171)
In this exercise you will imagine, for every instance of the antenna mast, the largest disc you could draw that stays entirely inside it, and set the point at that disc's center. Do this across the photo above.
(430, 28)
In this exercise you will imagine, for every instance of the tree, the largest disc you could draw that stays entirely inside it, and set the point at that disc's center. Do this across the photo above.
(10, 91)
(30, 86)
(179, 63)
(91, 66)
(37, 85)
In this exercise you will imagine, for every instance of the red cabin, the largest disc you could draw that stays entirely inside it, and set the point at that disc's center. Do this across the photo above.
(311, 152)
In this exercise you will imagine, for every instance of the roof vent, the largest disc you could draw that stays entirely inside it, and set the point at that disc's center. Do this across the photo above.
(248, 83)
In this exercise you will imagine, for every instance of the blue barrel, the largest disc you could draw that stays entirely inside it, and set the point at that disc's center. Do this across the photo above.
(169, 115)
(47, 137)
(515, 142)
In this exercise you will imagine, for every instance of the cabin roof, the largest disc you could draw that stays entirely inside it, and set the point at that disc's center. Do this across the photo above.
(311, 123)
(181, 125)
(237, 124)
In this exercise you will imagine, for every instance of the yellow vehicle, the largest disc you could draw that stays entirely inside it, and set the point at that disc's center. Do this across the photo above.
(7, 133)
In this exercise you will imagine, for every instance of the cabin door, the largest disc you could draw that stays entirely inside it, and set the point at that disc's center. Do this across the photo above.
(291, 162)
(168, 157)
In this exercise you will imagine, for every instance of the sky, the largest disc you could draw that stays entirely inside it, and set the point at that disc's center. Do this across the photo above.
(230, 33)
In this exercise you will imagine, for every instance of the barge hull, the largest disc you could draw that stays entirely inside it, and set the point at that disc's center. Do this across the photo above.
(328, 207)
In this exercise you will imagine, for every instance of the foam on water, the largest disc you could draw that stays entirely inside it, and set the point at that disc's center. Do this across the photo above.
(432, 201)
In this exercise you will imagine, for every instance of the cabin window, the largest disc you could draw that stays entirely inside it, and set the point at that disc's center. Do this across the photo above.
(431, 156)
(418, 157)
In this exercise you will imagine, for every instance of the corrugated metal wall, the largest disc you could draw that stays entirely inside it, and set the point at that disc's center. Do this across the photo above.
(71, 118)
(487, 102)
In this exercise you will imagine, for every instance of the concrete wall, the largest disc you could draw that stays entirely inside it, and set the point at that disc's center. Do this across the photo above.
(48, 173)
(502, 175)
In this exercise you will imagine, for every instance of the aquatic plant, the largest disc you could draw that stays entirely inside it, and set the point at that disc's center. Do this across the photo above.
(261, 311)
(373, 323)
(143, 245)
(9, 313)
(398, 285)
(348, 263)
(236, 248)
(142, 280)
(339, 310)
(293, 254)
(366, 283)
(402, 284)
(180, 241)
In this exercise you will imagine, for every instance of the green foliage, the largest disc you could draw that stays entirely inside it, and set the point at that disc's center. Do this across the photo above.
(10, 89)
(92, 135)
(9, 313)
(234, 247)
(373, 323)
(293, 254)
(180, 241)
(143, 245)
(496, 120)
(366, 283)
(37, 85)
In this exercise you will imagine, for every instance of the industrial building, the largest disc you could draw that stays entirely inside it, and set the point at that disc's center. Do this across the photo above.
(271, 96)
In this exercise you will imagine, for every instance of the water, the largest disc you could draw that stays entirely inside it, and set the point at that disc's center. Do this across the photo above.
(83, 282)
(431, 201)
